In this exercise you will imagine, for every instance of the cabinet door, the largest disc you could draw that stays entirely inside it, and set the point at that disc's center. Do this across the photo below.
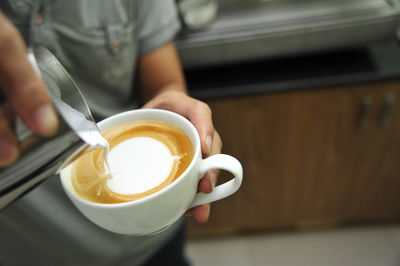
(375, 175)
(310, 158)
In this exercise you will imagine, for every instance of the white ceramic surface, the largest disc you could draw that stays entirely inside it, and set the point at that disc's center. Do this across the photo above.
(156, 212)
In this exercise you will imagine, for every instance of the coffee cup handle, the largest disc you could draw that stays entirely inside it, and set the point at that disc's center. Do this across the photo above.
(224, 162)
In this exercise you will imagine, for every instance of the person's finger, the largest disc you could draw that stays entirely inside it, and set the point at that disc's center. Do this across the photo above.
(199, 113)
(9, 115)
(8, 148)
(208, 182)
(202, 213)
(217, 144)
(201, 117)
(23, 88)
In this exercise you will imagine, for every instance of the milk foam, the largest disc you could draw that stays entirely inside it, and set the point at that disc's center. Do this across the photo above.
(86, 129)
(106, 147)
(138, 164)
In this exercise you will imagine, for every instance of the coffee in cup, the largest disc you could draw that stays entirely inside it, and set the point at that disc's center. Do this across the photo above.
(145, 156)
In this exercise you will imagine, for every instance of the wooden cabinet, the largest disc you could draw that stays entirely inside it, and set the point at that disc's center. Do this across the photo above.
(311, 158)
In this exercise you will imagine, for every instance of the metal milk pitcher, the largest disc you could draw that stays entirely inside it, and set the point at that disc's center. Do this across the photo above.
(42, 157)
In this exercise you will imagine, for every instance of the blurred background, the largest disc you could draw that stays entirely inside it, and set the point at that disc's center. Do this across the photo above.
(306, 94)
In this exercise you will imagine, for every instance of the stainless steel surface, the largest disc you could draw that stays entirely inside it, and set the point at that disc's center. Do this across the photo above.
(42, 156)
(251, 29)
(66, 96)
(197, 14)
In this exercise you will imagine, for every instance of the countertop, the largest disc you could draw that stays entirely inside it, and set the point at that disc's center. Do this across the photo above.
(376, 62)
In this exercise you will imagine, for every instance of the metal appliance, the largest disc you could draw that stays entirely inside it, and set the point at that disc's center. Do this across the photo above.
(254, 29)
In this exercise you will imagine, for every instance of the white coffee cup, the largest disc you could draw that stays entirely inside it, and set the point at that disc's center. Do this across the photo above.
(153, 213)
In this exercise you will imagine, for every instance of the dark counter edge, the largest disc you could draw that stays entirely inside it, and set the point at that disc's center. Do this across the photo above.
(376, 62)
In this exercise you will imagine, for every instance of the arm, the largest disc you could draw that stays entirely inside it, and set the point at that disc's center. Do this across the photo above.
(162, 85)
(160, 71)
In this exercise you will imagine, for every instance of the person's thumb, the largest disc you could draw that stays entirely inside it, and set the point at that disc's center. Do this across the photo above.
(22, 87)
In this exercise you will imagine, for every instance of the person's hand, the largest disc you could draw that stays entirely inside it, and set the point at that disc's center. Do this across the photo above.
(24, 92)
(200, 115)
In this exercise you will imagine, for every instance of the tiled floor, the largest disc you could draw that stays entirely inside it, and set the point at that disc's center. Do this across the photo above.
(360, 246)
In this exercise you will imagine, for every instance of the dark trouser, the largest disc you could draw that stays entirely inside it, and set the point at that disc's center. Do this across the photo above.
(173, 252)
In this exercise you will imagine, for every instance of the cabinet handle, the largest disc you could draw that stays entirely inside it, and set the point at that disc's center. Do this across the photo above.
(363, 113)
(387, 110)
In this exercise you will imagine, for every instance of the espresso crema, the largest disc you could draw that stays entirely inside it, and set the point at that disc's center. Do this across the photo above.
(145, 156)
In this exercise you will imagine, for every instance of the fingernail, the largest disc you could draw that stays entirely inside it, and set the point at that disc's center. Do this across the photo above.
(211, 176)
(8, 153)
(209, 144)
(47, 119)
(208, 211)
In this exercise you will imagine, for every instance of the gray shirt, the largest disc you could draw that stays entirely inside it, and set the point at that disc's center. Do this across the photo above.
(99, 42)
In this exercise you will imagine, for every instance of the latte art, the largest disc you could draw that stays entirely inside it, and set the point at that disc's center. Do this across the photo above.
(145, 156)
(136, 173)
